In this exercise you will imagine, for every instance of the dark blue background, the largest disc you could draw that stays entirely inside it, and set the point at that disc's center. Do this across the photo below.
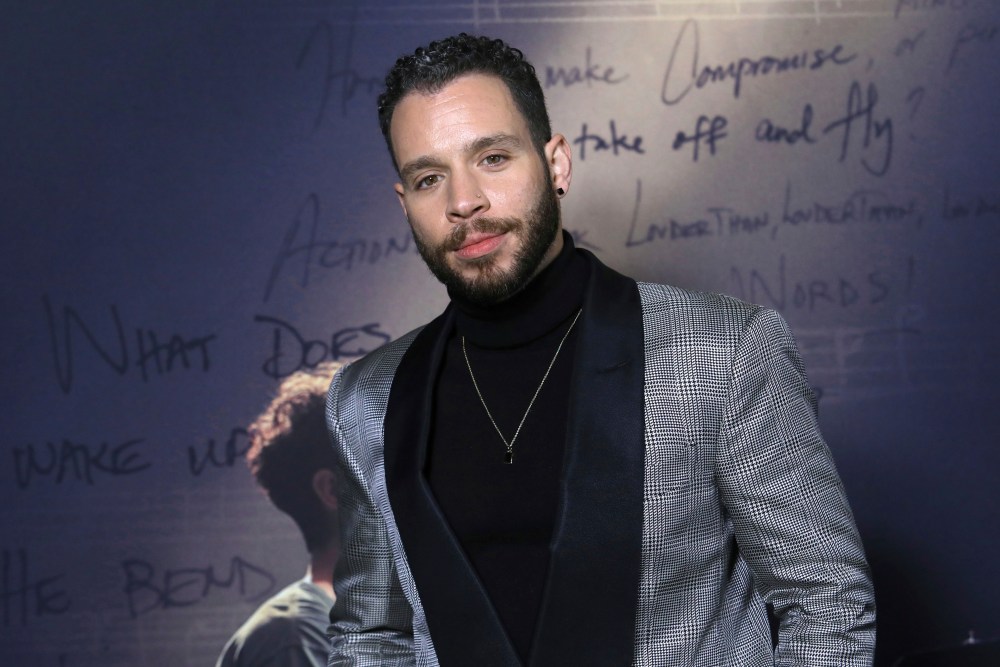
(210, 176)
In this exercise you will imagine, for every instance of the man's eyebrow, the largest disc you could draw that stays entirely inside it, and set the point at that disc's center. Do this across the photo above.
(415, 165)
(498, 140)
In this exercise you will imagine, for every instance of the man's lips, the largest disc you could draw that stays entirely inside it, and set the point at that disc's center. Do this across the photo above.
(478, 245)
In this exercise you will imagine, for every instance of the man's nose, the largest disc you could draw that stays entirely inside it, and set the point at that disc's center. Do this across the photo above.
(465, 198)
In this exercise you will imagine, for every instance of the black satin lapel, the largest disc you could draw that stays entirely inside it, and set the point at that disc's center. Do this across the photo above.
(589, 610)
(464, 626)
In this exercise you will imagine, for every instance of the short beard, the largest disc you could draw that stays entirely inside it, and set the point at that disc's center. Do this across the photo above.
(492, 285)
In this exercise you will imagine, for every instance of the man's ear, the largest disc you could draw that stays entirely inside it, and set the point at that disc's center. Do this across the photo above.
(324, 484)
(398, 187)
(559, 158)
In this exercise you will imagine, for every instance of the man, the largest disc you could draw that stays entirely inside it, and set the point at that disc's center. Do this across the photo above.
(291, 458)
(567, 467)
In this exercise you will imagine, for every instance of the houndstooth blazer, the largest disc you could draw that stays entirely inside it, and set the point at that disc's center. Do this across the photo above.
(696, 489)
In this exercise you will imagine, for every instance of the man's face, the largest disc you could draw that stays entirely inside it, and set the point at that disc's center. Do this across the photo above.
(480, 199)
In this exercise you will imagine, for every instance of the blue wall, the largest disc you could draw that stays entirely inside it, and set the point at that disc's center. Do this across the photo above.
(196, 201)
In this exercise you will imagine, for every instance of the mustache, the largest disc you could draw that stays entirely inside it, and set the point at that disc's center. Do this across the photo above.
(456, 237)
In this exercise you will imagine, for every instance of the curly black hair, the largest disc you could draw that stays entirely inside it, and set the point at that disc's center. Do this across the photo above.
(288, 444)
(431, 68)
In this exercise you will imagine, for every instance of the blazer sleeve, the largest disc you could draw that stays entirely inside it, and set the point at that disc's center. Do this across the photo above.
(371, 622)
(792, 521)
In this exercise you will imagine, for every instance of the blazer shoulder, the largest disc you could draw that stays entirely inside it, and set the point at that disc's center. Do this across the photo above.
(371, 373)
(682, 311)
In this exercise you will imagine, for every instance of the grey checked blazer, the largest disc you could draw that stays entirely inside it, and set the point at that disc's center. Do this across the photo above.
(697, 488)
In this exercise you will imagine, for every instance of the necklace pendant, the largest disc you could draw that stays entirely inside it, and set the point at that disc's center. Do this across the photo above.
(509, 458)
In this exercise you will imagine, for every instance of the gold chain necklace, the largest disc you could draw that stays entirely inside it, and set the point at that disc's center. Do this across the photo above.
(509, 457)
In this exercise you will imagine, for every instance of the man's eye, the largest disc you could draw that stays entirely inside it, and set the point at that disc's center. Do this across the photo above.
(427, 181)
(493, 160)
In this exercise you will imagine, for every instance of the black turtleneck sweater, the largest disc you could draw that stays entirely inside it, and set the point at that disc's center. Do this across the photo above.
(504, 515)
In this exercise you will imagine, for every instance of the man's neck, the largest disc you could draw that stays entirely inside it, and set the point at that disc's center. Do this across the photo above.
(320, 570)
(550, 255)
